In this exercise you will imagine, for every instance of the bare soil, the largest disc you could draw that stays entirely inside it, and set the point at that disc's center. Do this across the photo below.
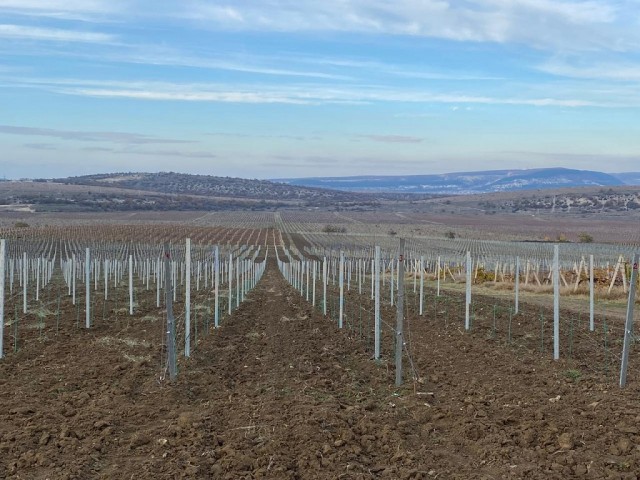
(279, 392)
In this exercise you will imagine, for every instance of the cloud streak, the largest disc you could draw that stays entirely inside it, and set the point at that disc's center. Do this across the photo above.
(22, 32)
(537, 95)
(545, 24)
(623, 71)
(570, 25)
(89, 136)
(314, 96)
(154, 153)
(75, 10)
(185, 95)
(392, 138)
(247, 65)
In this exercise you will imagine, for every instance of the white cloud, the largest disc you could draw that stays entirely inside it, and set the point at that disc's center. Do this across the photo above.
(578, 12)
(89, 136)
(248, 64)
(52, 34)
(546, 24)
(543, 95)
(572, 25)
(598, 70)
(60, 6)
(300, 95)
(78, 10)
(392, 138)
(403, 17)
(187, 95)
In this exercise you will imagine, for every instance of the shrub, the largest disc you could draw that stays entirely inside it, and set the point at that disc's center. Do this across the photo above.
(585, 238)
(334, 229)
(21, 225)
(450, 234)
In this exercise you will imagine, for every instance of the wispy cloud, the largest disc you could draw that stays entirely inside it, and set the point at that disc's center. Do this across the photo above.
(296, 94)
(186, 95)
(569, 24)
(607, 162)
(574, 25)
(79, 10)
(52, 34)
(41, 146)
(89, 136)
(392, 138)
(300, 138)
(153, 153)
(243, 65)
(354, 164)
(403, 17)
(176, 153)
(577, 12)
(595, 70)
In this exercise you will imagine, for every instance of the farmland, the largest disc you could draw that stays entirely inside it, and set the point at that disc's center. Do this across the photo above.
(295, 379)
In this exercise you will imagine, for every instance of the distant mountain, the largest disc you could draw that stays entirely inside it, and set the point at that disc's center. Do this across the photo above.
(205, 185)
(464, 182)
(628, 178)
(177, 191)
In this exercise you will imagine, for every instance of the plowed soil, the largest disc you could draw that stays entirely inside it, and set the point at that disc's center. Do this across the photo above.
(279, 392)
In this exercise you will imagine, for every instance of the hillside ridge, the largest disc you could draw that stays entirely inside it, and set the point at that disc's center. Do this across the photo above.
(463, 183)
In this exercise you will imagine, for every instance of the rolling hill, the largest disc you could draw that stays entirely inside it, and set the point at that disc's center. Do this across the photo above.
(169, 191)
(464, 182)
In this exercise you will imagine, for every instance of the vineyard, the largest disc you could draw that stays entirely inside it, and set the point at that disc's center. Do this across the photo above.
(265, 346)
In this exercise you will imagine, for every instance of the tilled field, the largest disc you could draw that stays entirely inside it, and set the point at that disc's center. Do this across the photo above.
(279, 392)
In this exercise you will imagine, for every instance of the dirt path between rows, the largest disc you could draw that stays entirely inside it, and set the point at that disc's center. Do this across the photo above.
(279, 392)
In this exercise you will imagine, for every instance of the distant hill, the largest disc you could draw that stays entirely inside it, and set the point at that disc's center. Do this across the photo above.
(170, 191)
(464, 182)
(207, 185)
(553, 189)
(628, 178)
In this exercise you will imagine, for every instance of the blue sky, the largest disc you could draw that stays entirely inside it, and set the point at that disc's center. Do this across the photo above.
(290, 88)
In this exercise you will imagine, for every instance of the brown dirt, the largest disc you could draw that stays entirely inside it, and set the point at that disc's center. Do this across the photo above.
(279, 392)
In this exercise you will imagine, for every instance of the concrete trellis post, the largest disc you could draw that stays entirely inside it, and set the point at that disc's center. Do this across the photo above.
(592, 325)
(171, 325)
(230, 279)
(438, 277)
(421, 284)
(377, 304)
(3, 248)
(130, 284)
(25, 279)
(87, 281)
(400, 315)
(341, 280)
(391, 281)
(325, 280)
(315, 273)
(216, 279)
(628, 330)
(467, 318)
(158, 283)
(106, 280)
(556, 302)
(517, 286)
(38, 263)
(187, 299)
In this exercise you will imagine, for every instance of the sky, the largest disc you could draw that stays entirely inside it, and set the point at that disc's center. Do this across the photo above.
(297, 88)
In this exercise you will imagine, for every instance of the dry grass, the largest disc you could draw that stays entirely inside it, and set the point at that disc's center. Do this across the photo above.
(601, 293)
(129, 342)
(137, 358)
